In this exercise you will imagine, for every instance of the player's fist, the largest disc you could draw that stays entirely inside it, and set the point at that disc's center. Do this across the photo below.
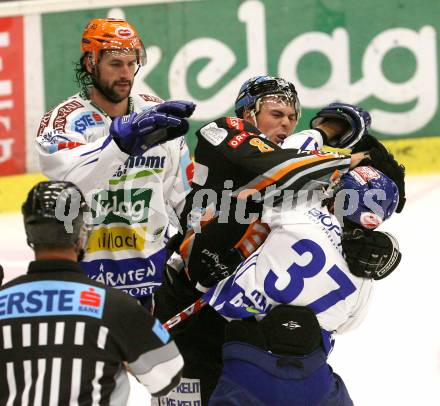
(179, 108)
(136, 133)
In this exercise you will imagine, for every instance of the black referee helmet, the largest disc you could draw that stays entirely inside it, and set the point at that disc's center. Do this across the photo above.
(53, 215)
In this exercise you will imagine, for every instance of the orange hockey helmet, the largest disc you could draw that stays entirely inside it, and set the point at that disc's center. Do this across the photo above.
(111, 34)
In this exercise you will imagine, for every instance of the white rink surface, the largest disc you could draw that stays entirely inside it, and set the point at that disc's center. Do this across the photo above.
(393, 358)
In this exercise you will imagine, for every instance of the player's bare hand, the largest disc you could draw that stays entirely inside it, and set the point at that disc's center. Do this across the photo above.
(358, 157)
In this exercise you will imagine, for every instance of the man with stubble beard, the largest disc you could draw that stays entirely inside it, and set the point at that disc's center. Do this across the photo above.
(126, 152)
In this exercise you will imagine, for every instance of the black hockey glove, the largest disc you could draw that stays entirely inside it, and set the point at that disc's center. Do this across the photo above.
(358, 122)
(370, 254)
(207, 267)
(382, 159)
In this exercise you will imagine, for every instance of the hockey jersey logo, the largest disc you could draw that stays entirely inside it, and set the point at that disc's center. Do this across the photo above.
(44, 122)
(364, 174)
(126, 206)
(85, 120)
(156, 164)
(235, 123)
(117, 239)
(213, 134)
(61, 117)
(52, 298)
(136, 276)
(238, 139)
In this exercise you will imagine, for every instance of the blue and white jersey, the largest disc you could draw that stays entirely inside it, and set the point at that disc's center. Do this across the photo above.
(300, 263)
(131, 198)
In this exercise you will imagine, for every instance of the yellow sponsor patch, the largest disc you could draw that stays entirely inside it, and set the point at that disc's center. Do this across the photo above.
(117, 239)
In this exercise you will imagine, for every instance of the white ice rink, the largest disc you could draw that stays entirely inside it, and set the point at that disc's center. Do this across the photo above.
(393, 358)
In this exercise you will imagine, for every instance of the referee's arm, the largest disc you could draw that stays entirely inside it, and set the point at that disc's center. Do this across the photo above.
(152, 355)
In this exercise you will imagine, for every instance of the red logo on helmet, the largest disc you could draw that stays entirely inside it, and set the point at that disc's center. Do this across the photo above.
(370, 220)
(90, 298)
(367, 173)
(124, 32)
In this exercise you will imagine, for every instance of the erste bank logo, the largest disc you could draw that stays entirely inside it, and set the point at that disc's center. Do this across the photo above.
(52, 298)
(90, 298)
(86, 120)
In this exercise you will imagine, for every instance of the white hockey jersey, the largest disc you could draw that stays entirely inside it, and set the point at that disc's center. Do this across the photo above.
(131, 197)
(300, 263)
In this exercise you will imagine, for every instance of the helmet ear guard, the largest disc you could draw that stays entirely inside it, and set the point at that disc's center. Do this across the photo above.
(109, 34)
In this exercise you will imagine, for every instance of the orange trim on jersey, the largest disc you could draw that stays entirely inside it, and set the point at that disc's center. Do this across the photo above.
(278, 175)
(184, 248)
(254, 238)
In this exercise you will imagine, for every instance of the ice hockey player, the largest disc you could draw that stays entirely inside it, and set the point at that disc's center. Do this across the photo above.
(234, 150)
(106, 140)
(65, 338)
(272, 104)
(291, 297)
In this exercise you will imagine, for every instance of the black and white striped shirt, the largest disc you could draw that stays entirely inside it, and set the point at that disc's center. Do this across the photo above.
(63, 339)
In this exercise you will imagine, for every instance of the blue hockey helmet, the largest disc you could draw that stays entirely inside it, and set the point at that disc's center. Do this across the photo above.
(257, 87)
(377, 196)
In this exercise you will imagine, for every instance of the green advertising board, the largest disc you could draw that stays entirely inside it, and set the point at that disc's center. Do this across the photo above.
(380, 55)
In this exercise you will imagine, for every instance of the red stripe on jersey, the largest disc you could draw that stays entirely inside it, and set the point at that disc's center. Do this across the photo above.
(69, 145)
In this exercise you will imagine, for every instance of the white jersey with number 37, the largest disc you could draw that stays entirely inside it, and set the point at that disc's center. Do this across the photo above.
(301, 263)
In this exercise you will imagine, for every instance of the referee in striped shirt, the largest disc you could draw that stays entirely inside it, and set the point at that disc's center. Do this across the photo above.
(68, 340)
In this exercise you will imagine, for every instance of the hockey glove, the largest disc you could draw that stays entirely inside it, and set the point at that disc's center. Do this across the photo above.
(358, 122)
(370, 254)
(382, 159)
(206, 266)
(170, 122)
(136, 133)
(216, 267)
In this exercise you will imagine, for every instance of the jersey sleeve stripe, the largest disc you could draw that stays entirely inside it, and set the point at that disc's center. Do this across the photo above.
(270, 178)
(148, 360)
(161, 375)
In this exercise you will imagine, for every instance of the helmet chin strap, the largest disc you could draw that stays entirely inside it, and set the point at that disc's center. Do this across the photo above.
(254, 118)
(254, 112)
